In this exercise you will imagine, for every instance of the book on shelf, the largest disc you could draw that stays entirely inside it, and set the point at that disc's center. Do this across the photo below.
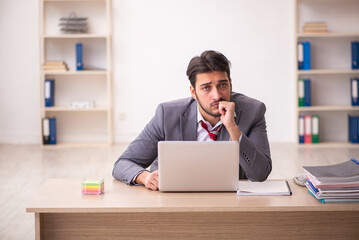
(304, 61)
(354, 90)
(308, 129)
(353, 131)
(49, 131)
(355, 54)
(334, 183)
(79, 63)
(49, 92)
(59, 66)
(315, 27)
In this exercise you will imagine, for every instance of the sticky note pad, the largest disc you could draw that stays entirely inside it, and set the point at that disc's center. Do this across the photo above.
(92, 187)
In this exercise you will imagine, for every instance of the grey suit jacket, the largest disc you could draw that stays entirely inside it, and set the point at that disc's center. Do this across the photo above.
(177, 121)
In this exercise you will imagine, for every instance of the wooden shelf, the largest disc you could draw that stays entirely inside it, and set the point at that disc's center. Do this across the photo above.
(69, 109)
(330, 145)
(327, 71)
(327, 35)
(73, 0)
(76, 144)
(74, 36)
(94, 84)
(330, 55)
(328, 108)
(73, 72)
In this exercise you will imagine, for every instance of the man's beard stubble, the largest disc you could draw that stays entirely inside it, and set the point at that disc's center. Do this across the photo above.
(207, 111)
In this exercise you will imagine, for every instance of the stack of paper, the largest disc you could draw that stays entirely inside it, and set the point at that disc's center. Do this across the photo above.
(315, 27)
(334, 183)
(58, 66)
(92, 187)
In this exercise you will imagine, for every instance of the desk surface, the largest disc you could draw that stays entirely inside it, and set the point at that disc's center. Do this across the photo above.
(64, 196)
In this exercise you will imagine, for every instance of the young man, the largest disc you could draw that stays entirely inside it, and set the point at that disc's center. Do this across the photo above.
(213, 113)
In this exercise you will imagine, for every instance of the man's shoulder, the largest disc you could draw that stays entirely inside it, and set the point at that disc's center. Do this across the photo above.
(179, 103)
(241, 98)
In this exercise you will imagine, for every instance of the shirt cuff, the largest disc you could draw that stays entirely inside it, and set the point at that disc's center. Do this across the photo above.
(134, 178)
(240, 138)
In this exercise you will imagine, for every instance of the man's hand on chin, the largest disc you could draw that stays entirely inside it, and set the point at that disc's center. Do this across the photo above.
(226, 109)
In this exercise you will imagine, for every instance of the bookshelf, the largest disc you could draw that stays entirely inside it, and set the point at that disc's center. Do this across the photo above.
(78, 126)
(330, 67)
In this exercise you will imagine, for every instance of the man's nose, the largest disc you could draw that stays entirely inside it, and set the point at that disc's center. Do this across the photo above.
(215, 94)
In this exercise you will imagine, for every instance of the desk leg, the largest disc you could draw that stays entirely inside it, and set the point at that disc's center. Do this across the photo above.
(38, 227)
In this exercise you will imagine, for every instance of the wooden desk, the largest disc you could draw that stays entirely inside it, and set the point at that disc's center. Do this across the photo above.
(124, 212)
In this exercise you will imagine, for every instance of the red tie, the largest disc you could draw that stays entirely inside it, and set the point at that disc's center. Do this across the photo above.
(213, 133)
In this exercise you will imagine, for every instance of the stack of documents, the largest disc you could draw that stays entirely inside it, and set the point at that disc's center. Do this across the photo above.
(334, 183)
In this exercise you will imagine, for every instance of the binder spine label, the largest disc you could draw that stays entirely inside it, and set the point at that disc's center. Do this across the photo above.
(301, 129)
(300, 93)
(354, 91)
(300, 55)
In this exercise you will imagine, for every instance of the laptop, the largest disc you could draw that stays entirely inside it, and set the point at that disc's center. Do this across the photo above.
(192, 166)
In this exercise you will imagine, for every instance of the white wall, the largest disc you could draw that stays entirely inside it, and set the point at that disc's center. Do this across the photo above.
(153, 41)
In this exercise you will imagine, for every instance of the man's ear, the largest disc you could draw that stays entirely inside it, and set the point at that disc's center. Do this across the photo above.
(193, 92)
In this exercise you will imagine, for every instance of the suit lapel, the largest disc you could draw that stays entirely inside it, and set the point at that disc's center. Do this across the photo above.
(188, 123)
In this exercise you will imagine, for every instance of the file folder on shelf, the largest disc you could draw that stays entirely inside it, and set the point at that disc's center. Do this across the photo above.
(79, 63)
(304, 62)
(355, 54)
(301, 92)
(306, 56)
(300, 55)
(315, 129)
(307, 129)
(353, 130)
(45, 131)
(307, 93)
(301, 129)
(49, 92)
(52, 123)
(354, 89)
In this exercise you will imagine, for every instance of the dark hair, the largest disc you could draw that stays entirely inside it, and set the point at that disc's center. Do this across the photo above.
(209, 61)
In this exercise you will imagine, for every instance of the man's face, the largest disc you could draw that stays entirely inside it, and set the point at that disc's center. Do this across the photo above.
(211, 88)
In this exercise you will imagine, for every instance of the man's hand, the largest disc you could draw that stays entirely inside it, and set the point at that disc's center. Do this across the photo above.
(150, 180)
(226, 109)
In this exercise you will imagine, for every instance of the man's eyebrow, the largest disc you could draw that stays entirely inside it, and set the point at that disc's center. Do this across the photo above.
(224, 80)
(205, 84)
